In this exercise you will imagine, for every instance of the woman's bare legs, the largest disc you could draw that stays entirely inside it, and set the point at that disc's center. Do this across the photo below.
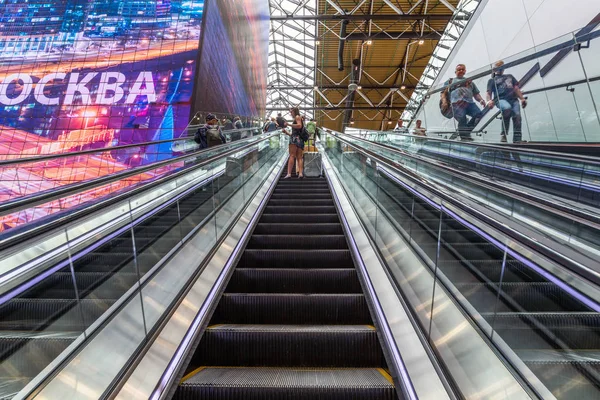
(301, 166)
(290, 165)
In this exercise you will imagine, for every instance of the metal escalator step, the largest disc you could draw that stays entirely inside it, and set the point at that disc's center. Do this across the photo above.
(488, 269)
(297, 242)
(300, 195)
(573, 376)
(32, 314)
(307, 309)
(474, 251)
(290, 346)
(301, 202)
(309, 186)
(288, 384)
(580, 330)
(310, 210)
(298, 229)
(104, 262)
(268, 280)
(278, 258)
(299, 190)
(29, 355)
(60, 285)
(533, 297)
(299, 218)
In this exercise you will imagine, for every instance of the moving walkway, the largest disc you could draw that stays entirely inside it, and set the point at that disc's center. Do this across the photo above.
(229, 282)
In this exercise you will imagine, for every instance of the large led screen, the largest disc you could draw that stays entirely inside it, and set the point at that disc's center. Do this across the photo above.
(89, 73)
(232, 74)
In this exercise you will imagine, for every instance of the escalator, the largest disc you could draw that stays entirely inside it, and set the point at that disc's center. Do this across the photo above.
(292, 322)
(549, 327)
(40, 323)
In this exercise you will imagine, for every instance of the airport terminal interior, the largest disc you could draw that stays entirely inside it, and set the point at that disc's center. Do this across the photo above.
(300, 199)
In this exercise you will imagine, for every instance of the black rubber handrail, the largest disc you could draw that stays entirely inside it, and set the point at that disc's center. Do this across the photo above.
(49, 157)
(22, 203)
(504, 148)
(558, 256)
(541, 53)
(564, 211)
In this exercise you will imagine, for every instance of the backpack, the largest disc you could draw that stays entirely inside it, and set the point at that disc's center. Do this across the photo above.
(213, 136)
(200, 137)
(303, 133)
(445, 104)
(311, 127)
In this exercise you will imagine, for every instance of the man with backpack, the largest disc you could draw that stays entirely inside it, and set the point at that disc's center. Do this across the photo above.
(209, 135)
(270, 125)
(457, 102)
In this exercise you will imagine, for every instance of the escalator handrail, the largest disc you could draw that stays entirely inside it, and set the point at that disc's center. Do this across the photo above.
(76, 213)
(503, 148)
(55, 156)
(567, 43)
(25, 202)
(563, 211)
(556, 255)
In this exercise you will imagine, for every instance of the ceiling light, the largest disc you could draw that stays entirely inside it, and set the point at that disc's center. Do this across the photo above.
(389, 122)
(316, 88)
(359, 87)
(317, 42)
(352, 121)
(402, 87)
(421, 42)
(369, 42)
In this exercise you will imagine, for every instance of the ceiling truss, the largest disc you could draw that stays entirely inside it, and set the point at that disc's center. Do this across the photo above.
(303, 55)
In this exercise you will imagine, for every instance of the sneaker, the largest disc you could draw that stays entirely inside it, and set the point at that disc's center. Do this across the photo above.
(503, 139)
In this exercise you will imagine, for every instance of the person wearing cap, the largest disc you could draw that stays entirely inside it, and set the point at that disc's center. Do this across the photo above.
(209, 135)
(504, 92)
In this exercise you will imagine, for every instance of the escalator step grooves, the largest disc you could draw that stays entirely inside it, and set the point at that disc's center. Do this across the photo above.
(314, 346)
(274, 258)
(299, 218)
(298, 241)
(288, 384)
(259, 280)
(310, 309)
(298, 229)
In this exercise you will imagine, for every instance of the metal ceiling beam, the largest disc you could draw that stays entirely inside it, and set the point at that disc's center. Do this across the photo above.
(367, 17)
(343, 87)
(325, 108)
(394, 36)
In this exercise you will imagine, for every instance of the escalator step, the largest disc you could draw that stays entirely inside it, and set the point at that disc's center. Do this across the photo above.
(60, 285)
(259, 280)
(299, 218)
(104, 262)
(300, 195)
(290, 346)
(298, 190)
(568, 379)
(309, 210)
(302, 202)
(488, 271)
(32, 314)
(288, 384)
(297, 242)
(542, 330)
(307, 309)
(538, 297)
(30, 355)
(253, 258)
(298, 229)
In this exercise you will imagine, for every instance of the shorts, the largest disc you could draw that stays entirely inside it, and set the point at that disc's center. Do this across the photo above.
(295, 151)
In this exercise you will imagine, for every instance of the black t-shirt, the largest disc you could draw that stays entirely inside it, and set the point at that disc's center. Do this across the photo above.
(503, 87)
(281, 122)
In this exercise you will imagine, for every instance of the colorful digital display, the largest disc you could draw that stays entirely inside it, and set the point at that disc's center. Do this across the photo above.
(91, 73)
(233, 59)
